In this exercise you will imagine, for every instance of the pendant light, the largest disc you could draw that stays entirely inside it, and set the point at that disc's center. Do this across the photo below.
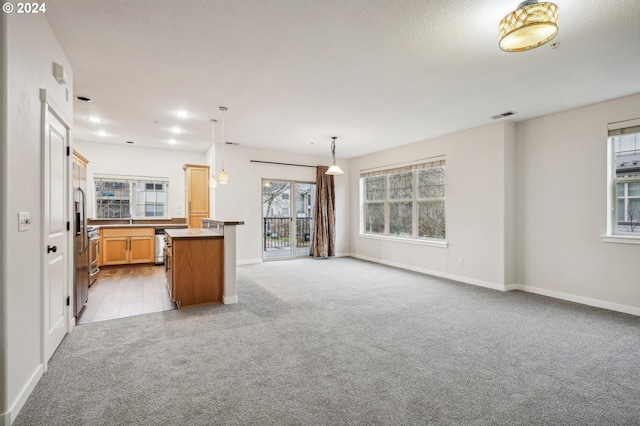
(223, 178)
(213, 182)
(531, 25)
(335, 169)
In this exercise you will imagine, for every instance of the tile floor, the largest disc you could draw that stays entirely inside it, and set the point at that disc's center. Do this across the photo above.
(127, 291)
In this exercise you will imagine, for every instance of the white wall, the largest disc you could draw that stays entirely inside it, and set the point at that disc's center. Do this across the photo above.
(138, 161)
(241, 198)
(561, 209)
(29, 48)
(476, 209)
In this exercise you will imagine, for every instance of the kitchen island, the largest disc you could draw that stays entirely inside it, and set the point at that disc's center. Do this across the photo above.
(195, 265)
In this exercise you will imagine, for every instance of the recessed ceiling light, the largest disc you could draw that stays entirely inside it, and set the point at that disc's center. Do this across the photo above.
(176, 130)
(102, 133)
(94, 119)
(173, 141)
(84, 99)
(182, 113)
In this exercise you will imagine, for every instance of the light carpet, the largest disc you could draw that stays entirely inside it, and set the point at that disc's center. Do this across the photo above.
(348, 342)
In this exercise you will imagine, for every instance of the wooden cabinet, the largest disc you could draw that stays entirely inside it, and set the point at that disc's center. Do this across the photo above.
(80, 160)
(197, 194)
(121, 246)
(195, 271)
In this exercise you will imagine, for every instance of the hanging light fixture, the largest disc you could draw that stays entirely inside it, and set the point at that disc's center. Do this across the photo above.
(335, 169)
(531, 25)
(213, 182)
(223, 178)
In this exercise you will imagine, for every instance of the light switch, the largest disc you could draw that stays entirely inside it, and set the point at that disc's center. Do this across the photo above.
(23, 221)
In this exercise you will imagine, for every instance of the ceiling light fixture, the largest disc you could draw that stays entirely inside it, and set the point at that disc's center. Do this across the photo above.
(335, 169)
(223, 178)
(182, 113)
(531, 25)
(213, 182)
(94, 119)
(176, 130)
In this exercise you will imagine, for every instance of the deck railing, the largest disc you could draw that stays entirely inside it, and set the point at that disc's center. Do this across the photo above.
(276, 232)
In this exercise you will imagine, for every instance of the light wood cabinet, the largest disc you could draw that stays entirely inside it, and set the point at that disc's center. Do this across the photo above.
(195, 270)
(80, 160)
(197, 194)
(121, 246)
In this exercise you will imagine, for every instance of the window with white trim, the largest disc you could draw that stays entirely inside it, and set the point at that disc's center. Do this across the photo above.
(407, 201)
(136, 197)
(624, 181)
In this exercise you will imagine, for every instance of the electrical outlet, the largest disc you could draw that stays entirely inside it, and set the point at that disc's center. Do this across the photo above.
(23, 221)
(461, 262)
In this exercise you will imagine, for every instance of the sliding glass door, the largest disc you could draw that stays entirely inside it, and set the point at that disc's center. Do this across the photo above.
(287, 215)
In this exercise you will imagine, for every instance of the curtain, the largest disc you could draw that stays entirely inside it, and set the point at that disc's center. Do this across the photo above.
(323, 233)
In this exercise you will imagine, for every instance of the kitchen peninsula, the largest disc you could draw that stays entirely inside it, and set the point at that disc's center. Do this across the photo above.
(201, 263)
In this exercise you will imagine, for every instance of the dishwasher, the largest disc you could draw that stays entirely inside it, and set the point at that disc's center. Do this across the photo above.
(159, 260)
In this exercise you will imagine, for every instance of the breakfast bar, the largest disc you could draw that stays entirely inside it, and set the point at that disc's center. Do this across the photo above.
(228, 229)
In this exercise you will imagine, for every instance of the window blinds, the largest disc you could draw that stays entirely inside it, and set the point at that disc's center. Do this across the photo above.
(624, 127)
(402, 169)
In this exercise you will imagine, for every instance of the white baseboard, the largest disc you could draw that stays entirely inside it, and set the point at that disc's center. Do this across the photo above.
(579, 299)
(229, 300)
(9, 417)
(458, 278)
(510, 287)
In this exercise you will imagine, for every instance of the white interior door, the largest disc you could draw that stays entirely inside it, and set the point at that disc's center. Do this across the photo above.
(55, 233)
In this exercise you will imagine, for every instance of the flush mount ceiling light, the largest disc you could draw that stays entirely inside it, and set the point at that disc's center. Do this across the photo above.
(223, 178)
(335, 169)
(213, 182)
(182, 113)
(531, 25)
(94, 119)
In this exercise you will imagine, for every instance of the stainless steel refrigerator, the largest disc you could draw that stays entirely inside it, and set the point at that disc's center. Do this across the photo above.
(81, 240)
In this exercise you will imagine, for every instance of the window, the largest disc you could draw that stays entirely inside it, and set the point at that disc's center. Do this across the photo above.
(124, 197)
(405, 202)
(624, 181)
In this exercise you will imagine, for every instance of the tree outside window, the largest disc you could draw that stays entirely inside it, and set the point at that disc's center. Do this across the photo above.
(125, 197)
(405, 202)
(431, 214)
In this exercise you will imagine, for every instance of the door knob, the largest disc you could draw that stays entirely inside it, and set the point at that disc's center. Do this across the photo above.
(52, 249)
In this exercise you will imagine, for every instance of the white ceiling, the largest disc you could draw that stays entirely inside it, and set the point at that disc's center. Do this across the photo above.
(293, 73)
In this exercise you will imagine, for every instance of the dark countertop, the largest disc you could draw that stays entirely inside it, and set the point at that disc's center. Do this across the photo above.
(222, 221)
(194, 233)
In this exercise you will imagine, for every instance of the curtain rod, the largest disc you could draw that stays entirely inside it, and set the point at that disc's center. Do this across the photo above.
(282, 164)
